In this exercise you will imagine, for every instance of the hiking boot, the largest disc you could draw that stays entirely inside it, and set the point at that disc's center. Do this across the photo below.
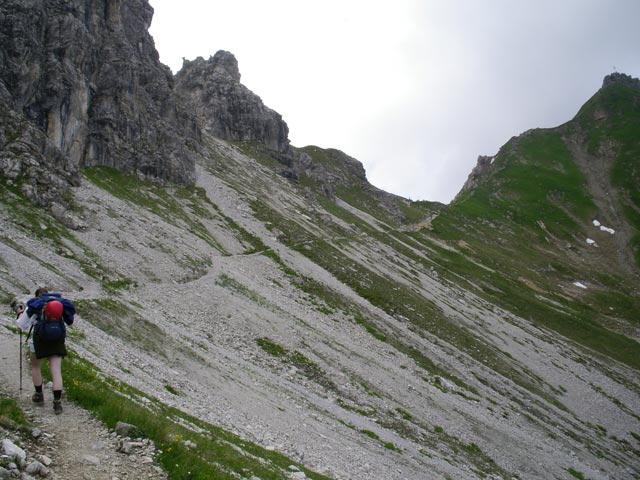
(37, 397)
(57, 407)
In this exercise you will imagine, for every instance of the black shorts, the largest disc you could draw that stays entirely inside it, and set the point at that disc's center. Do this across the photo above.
(49, 349)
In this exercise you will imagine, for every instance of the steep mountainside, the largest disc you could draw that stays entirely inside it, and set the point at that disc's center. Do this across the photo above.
(556, 211)
(282, 318)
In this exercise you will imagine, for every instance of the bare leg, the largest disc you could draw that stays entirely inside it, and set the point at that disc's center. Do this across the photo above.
(36, 374)
(55, 366)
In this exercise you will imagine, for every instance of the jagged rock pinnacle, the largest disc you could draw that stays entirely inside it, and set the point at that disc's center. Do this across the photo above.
(225, 108)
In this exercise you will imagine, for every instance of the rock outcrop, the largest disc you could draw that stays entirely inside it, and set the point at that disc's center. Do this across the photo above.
(225, 108)
(81, 84)
(621, 78)
(482, 167)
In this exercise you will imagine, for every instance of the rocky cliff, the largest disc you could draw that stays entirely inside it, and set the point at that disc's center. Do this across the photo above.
(81, 84)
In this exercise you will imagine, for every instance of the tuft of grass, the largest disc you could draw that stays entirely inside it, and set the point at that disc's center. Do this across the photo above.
(370, 434)
(271, 347)
(369, 327)
(576, 474)
(391, 446)
(172, 390)
(11, 415)
(406, 415)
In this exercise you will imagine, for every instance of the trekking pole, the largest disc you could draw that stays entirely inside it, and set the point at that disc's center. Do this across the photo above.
(19, 308)
(21, 361)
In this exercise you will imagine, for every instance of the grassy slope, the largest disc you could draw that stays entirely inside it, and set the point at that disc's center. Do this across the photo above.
(525, 221)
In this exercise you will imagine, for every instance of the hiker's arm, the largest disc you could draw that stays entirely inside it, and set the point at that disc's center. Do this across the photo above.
(24, 321)
(69, 311)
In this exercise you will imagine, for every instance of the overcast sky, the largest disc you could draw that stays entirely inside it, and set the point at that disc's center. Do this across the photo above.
(414, 89)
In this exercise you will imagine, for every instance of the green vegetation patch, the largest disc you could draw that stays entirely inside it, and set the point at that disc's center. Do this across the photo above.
(303, 364)
(576, 474)
(271, 347)
(11, 415)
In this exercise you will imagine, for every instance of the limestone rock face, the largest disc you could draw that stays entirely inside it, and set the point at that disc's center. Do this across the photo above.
(81, 84)
(225, 108)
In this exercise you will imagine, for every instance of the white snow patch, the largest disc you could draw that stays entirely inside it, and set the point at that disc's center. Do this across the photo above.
(607, 229)
(581, 285)
(592, 242)
(596, 223)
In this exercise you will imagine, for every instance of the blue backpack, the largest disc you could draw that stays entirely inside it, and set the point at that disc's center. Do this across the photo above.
(53, 313)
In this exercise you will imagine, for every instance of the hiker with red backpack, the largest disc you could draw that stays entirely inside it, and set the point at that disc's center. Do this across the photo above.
(47, 316)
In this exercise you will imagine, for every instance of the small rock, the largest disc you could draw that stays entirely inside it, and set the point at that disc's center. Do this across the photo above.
(91, 460)
(37, 468)
(297, 476)
(124, 447)
(46, 461)
(36, 433)
(125, 429)
(10, 449)
(189, 444)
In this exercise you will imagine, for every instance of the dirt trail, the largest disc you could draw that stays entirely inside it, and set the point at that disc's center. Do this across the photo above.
(79, 446)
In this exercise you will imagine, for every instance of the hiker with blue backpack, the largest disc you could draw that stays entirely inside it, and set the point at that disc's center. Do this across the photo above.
(46, 316)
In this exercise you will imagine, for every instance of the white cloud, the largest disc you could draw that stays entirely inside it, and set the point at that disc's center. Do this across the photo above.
(416, 90)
